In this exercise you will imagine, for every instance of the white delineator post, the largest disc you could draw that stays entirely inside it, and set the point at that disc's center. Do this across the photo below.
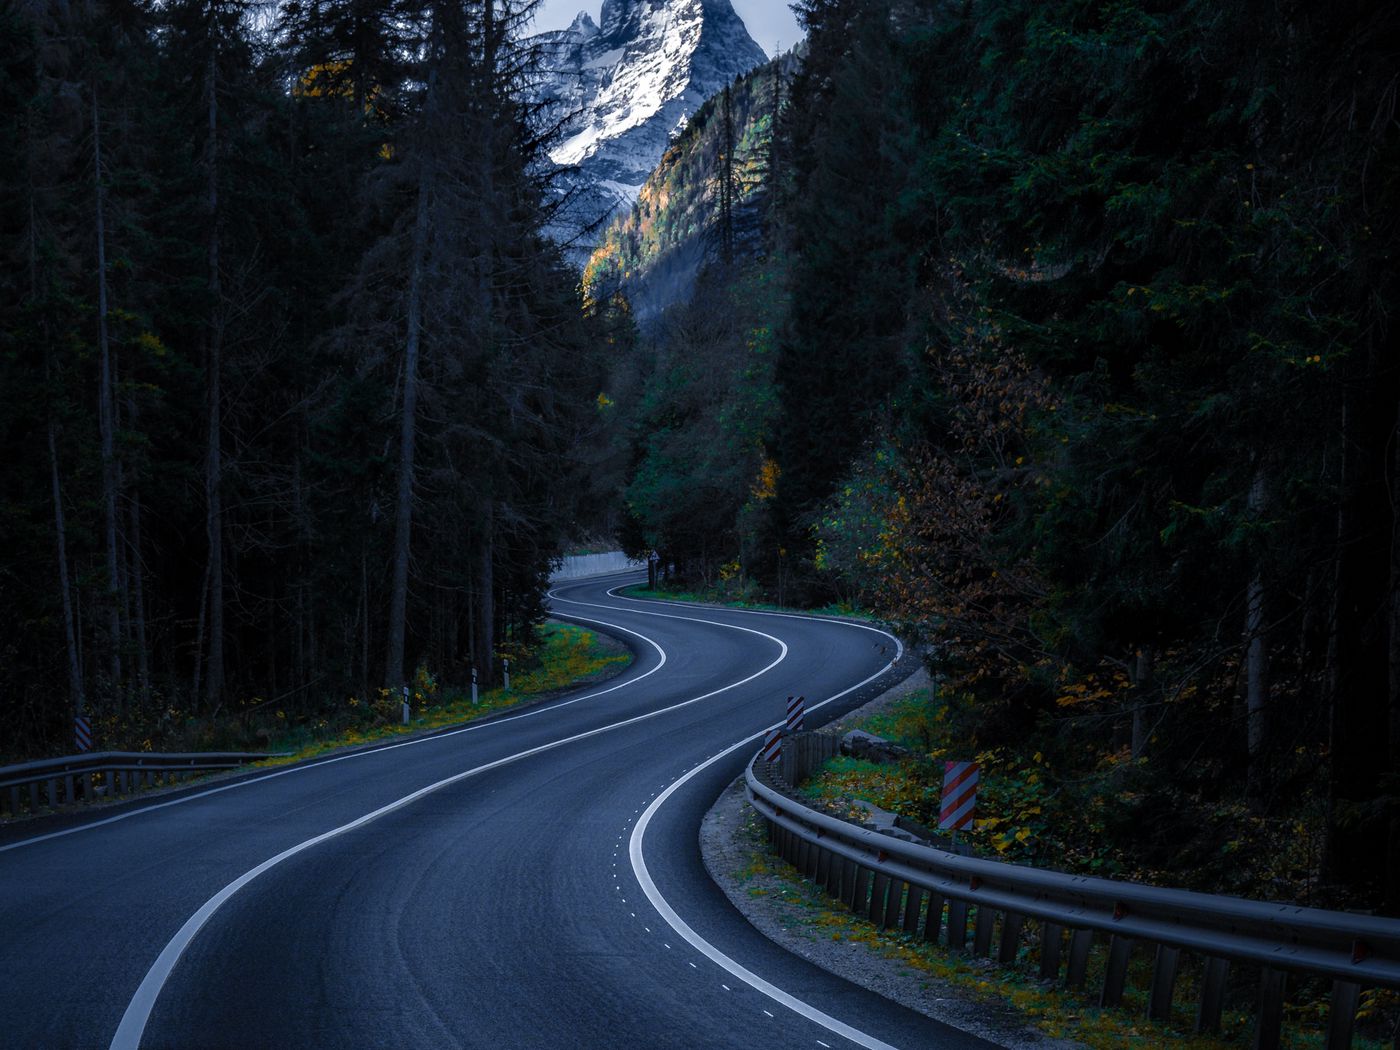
(474, 694)
(505, 663)
(959, 797)
(406, 709)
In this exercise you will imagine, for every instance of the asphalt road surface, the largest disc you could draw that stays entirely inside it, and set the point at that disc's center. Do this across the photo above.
(533, 880)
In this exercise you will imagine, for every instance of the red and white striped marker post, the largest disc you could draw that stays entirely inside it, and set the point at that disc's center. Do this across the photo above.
(773, 745)
(959, 797)
(796, 709)
(82, 733)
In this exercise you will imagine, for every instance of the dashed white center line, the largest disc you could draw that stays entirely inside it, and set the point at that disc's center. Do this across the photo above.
(693, 966)
(765, 1011)
(726, 987)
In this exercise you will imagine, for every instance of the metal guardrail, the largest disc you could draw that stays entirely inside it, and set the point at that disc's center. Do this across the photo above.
(103, 774)
(907, 884)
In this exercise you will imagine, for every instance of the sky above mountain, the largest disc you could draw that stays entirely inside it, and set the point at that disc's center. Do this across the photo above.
(769, 21)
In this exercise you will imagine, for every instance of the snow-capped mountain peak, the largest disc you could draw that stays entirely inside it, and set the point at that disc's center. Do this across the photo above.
(629, 85)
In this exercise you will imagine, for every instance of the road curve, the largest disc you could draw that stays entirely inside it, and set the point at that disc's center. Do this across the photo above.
(532, 880)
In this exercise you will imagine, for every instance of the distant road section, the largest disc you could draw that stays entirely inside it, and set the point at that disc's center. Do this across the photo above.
(582, 566)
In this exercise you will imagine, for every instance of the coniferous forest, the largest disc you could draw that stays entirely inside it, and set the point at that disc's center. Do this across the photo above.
(1060, 334)
(293, 395)
(1069, 348)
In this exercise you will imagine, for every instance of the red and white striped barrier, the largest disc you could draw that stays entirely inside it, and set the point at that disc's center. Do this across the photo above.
(82, 733)
(773, 745)
(796, 708)
(959, 796)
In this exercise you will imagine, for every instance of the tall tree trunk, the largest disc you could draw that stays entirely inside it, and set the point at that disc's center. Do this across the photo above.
(1257, 659)
(213, 463)
(75, 672)
(482, 658)
(136, 575)
(403, 525)
(1392, 868)
(1358, 679)
(1142, 688)
(106, 422)
(76, 694)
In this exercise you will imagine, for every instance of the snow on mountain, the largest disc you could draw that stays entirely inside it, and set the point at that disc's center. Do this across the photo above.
(626, 88)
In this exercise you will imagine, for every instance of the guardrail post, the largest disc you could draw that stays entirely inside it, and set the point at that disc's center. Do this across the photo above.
(933, 916)
(14, 801)
(849, 868)
(957, 923)
(877, 898)
(68, 790)
(823, 867)
(1159, 1004)
(1119, 950)
(1212, 995)
(834, 865)
(1079, 944)
(1341, 1018)
(1051, 935)
(982, 931)
(860, 890)
(1010, 937)
(912, 905)
(893, 903)
(1268, 1027)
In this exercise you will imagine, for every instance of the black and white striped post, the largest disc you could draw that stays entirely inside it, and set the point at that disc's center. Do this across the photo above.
(773, 744)
(796, 710)
(82, 733)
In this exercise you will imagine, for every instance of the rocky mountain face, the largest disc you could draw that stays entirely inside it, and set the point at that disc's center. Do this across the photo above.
(653, 252)
(625, 89)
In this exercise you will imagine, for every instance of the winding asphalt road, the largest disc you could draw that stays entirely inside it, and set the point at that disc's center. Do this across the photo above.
(532, 880)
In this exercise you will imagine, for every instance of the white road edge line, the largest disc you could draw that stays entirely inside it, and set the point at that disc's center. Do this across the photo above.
(138, 1011)
(663, 907)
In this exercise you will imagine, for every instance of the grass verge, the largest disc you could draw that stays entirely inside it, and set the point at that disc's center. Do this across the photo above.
(569, 657)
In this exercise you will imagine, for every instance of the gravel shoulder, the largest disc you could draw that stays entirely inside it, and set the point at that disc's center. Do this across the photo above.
(796, 916)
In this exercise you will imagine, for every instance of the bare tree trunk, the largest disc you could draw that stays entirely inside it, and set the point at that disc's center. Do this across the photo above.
(486, 598)
(1358, 658)
(1257, 660)
(1392, 868)
(70, 633)
(198, 682)
(106, 418)
(364, 619)
(136, 575)
(1142, 683)
(75, 672)
(213, 465)
(403, 525)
